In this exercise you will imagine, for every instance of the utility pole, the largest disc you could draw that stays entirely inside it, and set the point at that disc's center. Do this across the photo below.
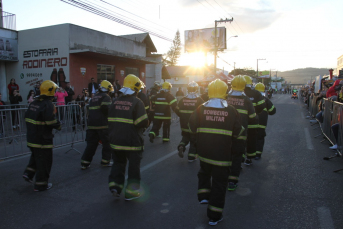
(257, 67)
(215, 41)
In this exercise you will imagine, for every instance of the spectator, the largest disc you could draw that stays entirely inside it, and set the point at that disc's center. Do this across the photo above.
(179, 94)
(36, 88)
(117, 86)
(92, 87)
(2, 117)
(332, 91)
(70, 92)
(15, 98)
(60, 98)
(12, 86)
(30, 96)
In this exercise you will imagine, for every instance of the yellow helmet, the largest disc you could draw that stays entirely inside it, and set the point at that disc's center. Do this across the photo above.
(192, 87)
(166, 86)
(106, 86)
(260, 87)
(217, 89)
(48, 88)
(248, 80)
(133, 82)
(238, 83)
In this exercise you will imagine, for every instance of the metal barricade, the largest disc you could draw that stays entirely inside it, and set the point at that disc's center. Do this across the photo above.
(13, 129)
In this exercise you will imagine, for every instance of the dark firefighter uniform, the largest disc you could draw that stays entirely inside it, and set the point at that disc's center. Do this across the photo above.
(215, 124)
(40, 121)
(247, 114)
(185, 108)
(154, 90)
(259, 104)
(127, 119)
(161, 104)
(263, 120)
(97, 130)
(145, 100)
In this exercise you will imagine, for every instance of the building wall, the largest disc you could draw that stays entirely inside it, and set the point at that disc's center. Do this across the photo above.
(84, 38)
(80, 60)
(154, 72)
(39, 52)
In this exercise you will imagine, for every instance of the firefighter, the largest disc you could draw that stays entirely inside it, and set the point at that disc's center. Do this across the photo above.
(127, 119)
(245, 108)
(153, 91)
(40, 121)
(144, 99)
(98, 126)
(263, 120)
(259, 105)
(184, 109)
(161, 104)
(204, 96)
(215, 124)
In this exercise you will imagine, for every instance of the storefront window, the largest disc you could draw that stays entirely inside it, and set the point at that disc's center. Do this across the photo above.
(134, 71)
(106, 72)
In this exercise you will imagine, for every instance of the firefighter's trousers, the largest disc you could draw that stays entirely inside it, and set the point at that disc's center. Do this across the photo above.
(166, 128)
(260, 141)
(92, 138)
(40, 165)
(116, 179)
(191, 139)
(251, 143)
(238, 149)
(214, 191)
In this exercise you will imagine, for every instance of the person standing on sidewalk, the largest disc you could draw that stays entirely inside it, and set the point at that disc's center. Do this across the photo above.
(127, 120)
(98, 127)
(215, 124)
(40, 121)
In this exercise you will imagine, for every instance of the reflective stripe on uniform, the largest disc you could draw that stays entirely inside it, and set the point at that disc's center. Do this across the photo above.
(253, 126)
(39, 146)
(162, 103)
(147, 107)
(242, 111)
(260, 102)
(271, 109)
(161, 117)
(251, 154)
(214, 131)
(113, 184)
(186, 130)
(173, 101)
(254, 104)
(252, 115)
(138, 120)
(215, 209)
(40, 122)
(85, 162)
(165, 139)
(153, 133)
(204, 190)
(265, 109)
(30, 169)
(262, 126)
(94, 108)
(233, 178)
(105, 103)
(124, 120)
(97, 127)
(116, 147)
(258, 152)
(242, 137)
(41, 183)
(213, 162)
(186, 111)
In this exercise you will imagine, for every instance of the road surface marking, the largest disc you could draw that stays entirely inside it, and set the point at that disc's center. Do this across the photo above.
(325, 218)
(148, 166)
(308, 139)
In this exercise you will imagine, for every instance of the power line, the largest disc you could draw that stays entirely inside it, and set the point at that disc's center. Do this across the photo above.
(98, 12)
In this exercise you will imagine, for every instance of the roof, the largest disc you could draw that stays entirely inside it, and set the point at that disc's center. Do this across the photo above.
(142, 38)
(165, 73)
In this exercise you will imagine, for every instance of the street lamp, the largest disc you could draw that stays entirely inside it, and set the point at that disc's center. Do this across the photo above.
(231, 37)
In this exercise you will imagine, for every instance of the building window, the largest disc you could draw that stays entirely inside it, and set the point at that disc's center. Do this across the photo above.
(134, 71)
(105, 72)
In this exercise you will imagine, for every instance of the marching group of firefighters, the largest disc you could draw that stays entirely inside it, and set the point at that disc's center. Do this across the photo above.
(223, 131)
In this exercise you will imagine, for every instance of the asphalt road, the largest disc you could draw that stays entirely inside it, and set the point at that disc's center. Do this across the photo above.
(291, 187)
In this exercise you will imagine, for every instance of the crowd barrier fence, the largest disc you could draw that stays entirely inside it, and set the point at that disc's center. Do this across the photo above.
(13, 128)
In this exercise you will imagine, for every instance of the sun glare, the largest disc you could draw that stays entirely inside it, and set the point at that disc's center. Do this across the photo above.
(196, 59)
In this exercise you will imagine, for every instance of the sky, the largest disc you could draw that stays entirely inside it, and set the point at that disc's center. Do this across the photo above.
(287, 34)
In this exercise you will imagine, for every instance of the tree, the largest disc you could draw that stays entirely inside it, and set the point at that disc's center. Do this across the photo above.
(174, 53)
(245, 71)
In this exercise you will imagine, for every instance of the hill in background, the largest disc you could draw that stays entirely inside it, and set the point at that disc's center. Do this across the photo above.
(302, 75)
